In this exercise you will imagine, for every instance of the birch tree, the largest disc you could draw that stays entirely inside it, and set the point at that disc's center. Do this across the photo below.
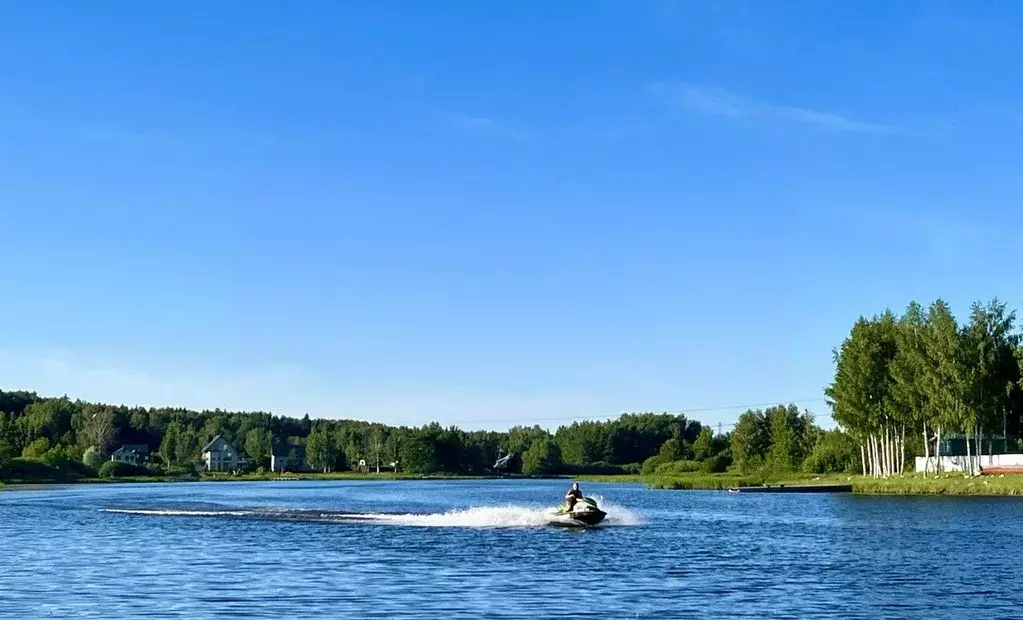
(943, 376)
(99, 428)
(321, 450)
(169, 445)
(985, 342)
(909, 369)
(861, 394)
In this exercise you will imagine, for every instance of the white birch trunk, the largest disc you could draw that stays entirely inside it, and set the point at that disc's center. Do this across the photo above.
(903, 448)
(980, 448)
(898, 452)
(937, 452)
(887, 451)
(975, 465)
(883, 454)
(863, 459)
(894, 443)
(873, 456)
(969, 457)
(870, 453)
(879, 451)
(883, 449)
(976, 453)
(878, 460)
(927, 451)
(870, 456)
(895, 451)
(976, 447)
(892, 436)
(902, 451)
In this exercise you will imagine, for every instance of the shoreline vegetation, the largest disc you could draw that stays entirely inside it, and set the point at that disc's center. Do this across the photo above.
(913, 382)
(909, 484)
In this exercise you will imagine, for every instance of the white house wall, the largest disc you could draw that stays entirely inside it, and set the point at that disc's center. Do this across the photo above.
(958, 463)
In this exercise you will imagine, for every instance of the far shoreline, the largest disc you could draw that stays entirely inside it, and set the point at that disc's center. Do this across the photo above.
(907, 485)
(332, 477)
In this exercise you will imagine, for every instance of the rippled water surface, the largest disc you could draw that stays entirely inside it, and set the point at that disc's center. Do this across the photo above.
(485, 549)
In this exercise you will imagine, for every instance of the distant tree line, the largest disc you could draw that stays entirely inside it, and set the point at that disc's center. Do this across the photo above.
(77, 437)
(910, 380)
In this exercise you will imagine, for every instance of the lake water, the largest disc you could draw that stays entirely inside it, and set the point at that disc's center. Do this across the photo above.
(483, 549)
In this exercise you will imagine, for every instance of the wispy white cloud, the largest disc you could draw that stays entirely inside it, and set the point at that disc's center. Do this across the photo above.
(717, 102)
(486, 127)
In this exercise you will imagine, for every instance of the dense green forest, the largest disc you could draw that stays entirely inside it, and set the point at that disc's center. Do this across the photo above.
(904, 382)
(70, 438)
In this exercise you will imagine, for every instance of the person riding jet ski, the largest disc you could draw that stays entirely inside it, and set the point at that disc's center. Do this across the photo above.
(582, 510)
(573, 495)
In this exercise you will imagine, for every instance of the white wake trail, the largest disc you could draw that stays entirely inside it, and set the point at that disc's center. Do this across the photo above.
(504, 516)
(161, 512)
(477, 516)
(618, 515)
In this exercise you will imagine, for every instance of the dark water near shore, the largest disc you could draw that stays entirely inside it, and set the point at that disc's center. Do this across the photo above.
(483, 549)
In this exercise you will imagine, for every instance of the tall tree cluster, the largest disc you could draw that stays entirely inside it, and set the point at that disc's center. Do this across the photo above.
(631, 438)
(925, 374)
(778, 439)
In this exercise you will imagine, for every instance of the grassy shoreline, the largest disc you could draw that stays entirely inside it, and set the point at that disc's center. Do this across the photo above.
(910, 484)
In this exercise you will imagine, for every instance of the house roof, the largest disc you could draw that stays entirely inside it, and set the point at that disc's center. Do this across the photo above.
(133, 447)
(207, 447)
(285, 449)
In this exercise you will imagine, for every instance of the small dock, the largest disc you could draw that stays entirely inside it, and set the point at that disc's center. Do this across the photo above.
(1001, 471)
(795, 488)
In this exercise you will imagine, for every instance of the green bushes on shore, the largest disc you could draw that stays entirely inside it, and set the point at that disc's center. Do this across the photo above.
(717, 464)
(37, 469)
(950, 484)
(912, 484)
(675, 468)
(712, 482)
(598, 469)
(116, 469)
(835, 452)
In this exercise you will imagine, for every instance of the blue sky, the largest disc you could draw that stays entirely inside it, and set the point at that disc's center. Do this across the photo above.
(492, 213)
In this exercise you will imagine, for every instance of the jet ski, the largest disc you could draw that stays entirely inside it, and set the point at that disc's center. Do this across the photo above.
(584, 512)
